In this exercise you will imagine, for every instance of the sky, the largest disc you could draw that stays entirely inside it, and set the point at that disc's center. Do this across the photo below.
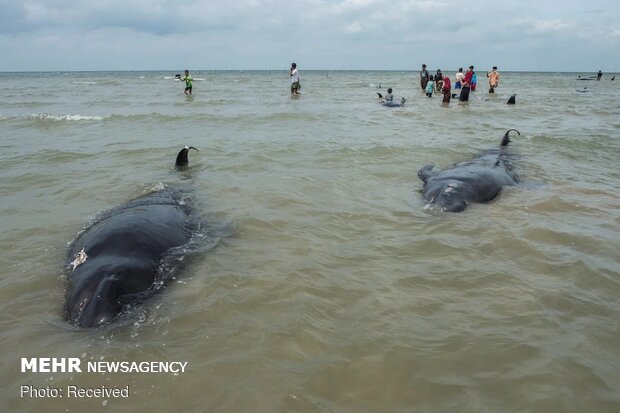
(536, 35)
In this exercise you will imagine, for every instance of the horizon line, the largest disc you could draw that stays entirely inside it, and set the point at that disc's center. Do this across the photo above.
(277, 70)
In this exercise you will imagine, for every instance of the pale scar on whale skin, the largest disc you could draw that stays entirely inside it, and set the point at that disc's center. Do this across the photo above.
(79, 259)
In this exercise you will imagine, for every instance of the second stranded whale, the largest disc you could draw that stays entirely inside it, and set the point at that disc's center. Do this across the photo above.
(128, 253)
(478, 180)
(392, 103)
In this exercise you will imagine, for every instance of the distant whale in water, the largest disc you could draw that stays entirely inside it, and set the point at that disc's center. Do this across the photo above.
(391, 103)
(478, 180)
(129, 253)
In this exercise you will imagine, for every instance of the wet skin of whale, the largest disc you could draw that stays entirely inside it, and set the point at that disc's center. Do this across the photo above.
(127, 254)
(479, 180)
(391, 103)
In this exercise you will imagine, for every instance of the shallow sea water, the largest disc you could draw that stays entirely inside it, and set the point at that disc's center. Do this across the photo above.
(328, 286)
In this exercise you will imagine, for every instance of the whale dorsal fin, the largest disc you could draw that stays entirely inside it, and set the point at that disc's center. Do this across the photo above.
(182, 156)
(506, 139)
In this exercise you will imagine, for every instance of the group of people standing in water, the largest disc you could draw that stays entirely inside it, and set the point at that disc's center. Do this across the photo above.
(439, 82)
(466, 82)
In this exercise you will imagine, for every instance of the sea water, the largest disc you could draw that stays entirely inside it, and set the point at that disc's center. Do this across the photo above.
(329, 286)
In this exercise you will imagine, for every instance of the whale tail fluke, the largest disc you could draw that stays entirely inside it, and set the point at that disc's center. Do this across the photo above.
(506, 139)
(182, 156)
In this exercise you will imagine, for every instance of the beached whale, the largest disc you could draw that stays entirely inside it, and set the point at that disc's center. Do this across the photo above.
(391, 103)
(478, 180)
(128, 253)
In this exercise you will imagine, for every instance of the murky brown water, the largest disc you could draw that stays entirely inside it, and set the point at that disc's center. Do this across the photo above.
(330, 287)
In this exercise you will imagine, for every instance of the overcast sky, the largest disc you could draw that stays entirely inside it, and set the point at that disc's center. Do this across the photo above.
(542, 35)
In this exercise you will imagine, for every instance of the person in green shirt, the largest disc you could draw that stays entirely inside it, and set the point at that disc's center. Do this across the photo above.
(188, 82)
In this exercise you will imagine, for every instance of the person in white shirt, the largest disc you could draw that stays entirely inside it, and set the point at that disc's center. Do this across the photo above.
(295, 86)
(459, 78)
(389, 97)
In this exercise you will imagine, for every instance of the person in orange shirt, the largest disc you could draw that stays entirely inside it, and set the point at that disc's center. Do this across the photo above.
(493, 79)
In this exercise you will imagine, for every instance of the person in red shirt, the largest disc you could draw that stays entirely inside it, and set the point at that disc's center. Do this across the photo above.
(464, 97)
(446, 89)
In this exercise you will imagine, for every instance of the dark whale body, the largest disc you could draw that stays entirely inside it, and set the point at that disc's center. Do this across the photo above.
(391, 103)
(394, 104)
(127, 254)
(479, 180)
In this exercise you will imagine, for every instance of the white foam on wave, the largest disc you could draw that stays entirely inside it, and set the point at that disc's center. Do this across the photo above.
(78, 82)
(160, 186)
(68, 117)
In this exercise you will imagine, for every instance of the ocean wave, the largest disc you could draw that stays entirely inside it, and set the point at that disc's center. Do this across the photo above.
(71, 118)
(176, 78)
(66, 117)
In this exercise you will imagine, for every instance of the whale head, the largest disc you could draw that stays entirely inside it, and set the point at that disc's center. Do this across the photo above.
(450, 199)
(99, 290)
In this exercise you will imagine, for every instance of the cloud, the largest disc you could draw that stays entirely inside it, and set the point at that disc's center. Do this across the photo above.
(157, 17)
(328, 33)
(355, 27)
(538, 26)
